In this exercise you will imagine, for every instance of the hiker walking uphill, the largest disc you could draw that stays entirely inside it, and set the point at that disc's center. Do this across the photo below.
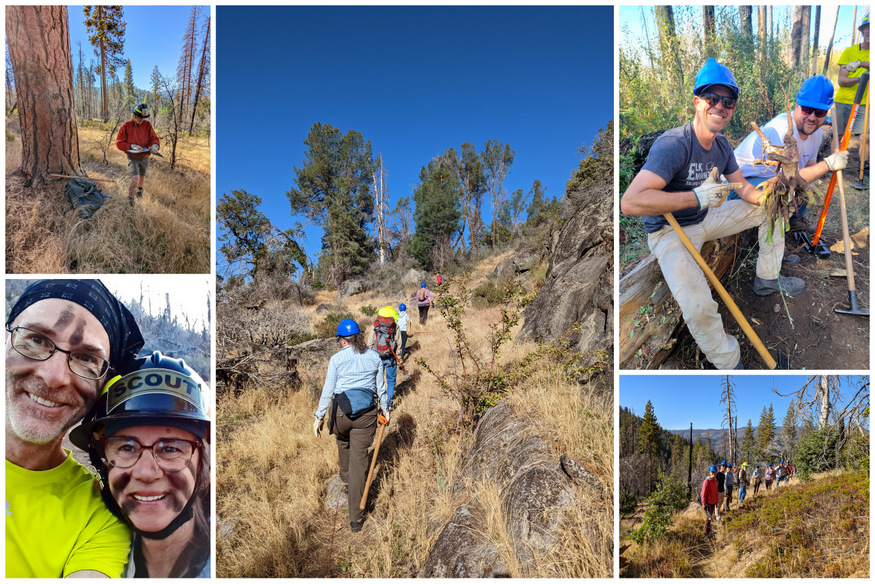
(709, 497)
(757, 479)
(423, 302)
(780, 474)
(354, 385)
(386, 346)
(812, 105)
(138, 141)
(403, 323)
(680, 180)
(743, 483)
(728, 484)
(769, 477)
(720, 477)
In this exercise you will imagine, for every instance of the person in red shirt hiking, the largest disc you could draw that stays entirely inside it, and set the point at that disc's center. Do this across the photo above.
(709, 497)
(138, 141)
(423, 302)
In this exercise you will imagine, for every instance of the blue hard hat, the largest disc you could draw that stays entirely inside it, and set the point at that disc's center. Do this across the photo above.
(723, 463)
(865, 21)
(756, 466)
(422, 285)
(816, 92)
(728, 464)
(347, 327)
(402, 307)
(713, 468)
(715, 73)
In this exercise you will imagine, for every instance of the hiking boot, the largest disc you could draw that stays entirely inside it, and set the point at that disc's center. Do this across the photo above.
(799, 224)
(786, 284)
(139, 192)
(355, 526)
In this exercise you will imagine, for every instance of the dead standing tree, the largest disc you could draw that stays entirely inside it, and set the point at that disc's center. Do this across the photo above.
(727, 398)
(381, 177)
(203, 77)
(44, 90)
(169, 90)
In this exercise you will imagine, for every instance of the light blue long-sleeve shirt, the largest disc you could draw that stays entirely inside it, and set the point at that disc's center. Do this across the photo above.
(350, 370)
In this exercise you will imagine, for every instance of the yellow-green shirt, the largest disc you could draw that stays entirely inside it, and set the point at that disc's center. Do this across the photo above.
(854, 53)
(57, 524)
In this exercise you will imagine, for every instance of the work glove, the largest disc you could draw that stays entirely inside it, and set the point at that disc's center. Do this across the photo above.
(317, 426)
(386, 416)
(837, 160)
(712, 192)
(154, 149)
(853, 65)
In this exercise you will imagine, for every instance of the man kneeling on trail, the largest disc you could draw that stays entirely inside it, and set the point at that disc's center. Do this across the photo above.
(681, 177)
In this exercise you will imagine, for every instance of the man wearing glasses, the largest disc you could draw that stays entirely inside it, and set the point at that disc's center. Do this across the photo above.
(812, 105)
(63, 337)
(681, 177)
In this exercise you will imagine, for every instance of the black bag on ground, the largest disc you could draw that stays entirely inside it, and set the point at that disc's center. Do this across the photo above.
(84, 197)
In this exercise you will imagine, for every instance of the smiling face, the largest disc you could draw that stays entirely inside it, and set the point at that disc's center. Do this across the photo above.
(149, 496)
(44, 398)
(806, 124)
(713, 117)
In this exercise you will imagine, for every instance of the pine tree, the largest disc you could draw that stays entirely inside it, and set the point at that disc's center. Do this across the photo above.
(765, 433)
(472, 182)
(333, 190)
(789, 432)
(156, 89)
(748, 443)
(649, 434)
(107, 30)
(727, 398)
(130, 90)
(437, 214)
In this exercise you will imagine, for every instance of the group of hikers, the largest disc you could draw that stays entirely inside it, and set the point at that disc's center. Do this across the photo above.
(681, 180)
(360, 379)
(72, 361)
(722, 480)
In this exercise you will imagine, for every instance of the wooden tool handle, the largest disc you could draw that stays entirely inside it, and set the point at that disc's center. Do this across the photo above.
(846, 236)
(371, 471)
(730, 303)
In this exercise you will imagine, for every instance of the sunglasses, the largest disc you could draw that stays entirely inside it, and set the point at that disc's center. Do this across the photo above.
(714, 99)
(820, 113)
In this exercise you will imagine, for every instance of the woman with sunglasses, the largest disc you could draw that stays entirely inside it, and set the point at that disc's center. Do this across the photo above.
(148, 437)
(813, 101)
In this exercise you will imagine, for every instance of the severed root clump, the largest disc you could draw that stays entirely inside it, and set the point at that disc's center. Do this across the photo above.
(787, 189)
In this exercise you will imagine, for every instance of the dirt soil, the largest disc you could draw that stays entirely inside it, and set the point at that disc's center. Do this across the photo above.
(805, 328)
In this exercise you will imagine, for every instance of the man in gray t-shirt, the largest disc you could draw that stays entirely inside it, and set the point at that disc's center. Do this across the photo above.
(681, 176)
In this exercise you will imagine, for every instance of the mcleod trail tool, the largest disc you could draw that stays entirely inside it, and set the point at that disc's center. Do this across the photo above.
(397, 360)
(783, 362)
(383, 423)
(864, 148)
(846, 238)
(88, 178)
(816, 248)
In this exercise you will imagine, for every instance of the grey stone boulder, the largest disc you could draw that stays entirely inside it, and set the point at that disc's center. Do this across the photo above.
(521, 262)
(351, 287)
(413, 277)
(462, 550)
(335, 496)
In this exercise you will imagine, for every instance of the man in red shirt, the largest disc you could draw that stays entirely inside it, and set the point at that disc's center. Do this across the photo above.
(137, 140)
(709, 497)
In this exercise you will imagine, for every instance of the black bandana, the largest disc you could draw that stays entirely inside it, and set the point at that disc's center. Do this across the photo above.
(125, 339)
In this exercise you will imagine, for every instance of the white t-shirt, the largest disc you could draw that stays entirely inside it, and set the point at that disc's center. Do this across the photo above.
(751, 148)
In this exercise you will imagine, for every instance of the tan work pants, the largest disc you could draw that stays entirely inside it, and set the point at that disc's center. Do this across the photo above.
(354, 437)
(688, 283)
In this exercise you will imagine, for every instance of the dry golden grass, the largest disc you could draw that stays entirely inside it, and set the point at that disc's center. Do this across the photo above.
(167, 231)
(272, 472)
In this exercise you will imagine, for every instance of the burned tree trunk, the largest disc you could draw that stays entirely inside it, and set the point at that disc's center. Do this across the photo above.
(39, 48)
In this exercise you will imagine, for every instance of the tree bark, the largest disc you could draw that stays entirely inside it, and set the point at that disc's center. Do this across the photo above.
(708, 25)
(668, 41)
(745, 14)
(39, 47)
(796, 34)
(203, 69)
(829, 47)
(762, 31)
(806, 39)
(816, 39)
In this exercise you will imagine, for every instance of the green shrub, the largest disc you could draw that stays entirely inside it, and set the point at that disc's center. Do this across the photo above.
(670, 496)
(328, 327)
(486, 295)
(816, 452)
(628, 502)
(368, 310)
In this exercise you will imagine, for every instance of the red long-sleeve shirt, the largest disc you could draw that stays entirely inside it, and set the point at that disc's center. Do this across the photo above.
(709, 491)
(140, 134)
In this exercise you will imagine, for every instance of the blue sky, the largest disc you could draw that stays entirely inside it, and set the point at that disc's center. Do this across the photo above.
(414, 81)
(681, 399)
(631, 16)
(153, 36)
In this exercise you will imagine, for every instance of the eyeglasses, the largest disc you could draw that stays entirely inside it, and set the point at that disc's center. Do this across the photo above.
(820, 113)
(170, 454)
(714, 99)
(39, 347)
